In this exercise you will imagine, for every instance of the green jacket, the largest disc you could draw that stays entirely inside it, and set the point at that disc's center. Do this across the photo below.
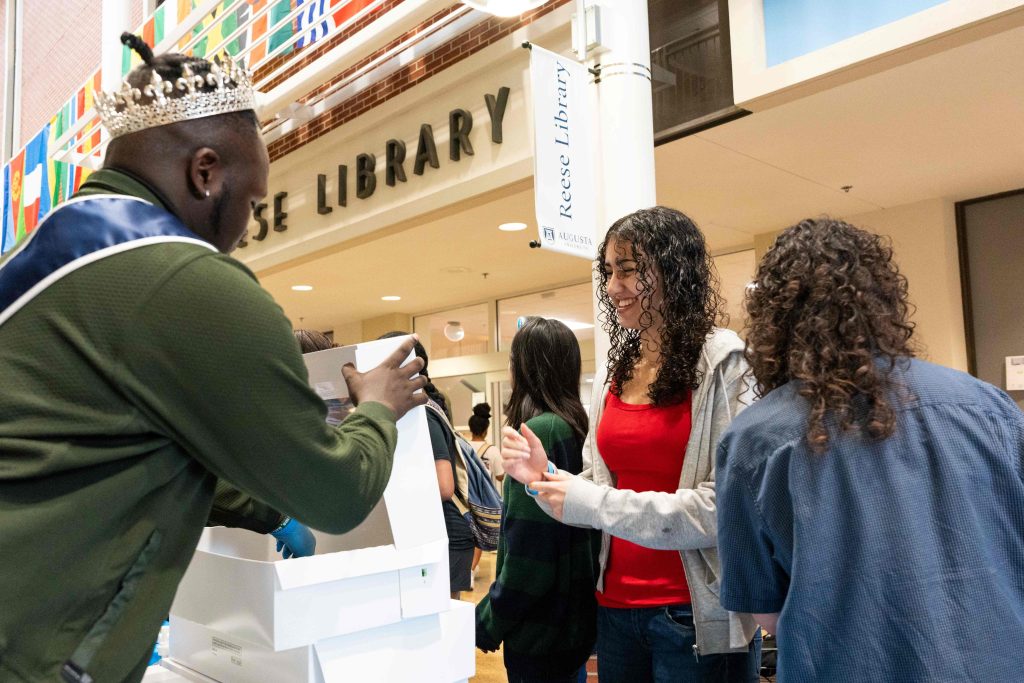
(128, 387)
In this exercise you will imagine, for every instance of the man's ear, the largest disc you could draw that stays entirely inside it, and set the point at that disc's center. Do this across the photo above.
(205, 173)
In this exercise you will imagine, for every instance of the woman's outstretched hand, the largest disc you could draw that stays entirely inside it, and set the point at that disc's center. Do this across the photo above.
(552, 491)
(522, 455)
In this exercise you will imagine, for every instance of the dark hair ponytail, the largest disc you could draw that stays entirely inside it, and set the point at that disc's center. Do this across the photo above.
(480, 421)
(139, 46)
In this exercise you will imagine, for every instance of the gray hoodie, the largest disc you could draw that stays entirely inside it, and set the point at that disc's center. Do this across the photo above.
(684, 520)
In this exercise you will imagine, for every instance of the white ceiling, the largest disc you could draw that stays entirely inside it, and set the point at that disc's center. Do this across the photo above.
(413, 264)
(950, 125)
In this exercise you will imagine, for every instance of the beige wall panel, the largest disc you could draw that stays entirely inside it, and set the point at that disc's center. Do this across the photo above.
(924, 237)
(373, 328)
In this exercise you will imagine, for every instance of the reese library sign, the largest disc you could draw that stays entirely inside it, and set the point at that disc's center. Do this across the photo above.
(362, 179)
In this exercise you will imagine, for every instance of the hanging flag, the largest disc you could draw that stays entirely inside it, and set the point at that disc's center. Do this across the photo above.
(314, 22)
(184, 9)
(349, 10)
(6, 229)
(258, 31)
(563, 156)
(17, 172)
(55, 169)
(34, 188)
(230, 27)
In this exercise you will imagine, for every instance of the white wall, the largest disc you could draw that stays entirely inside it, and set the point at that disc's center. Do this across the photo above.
(757, 86)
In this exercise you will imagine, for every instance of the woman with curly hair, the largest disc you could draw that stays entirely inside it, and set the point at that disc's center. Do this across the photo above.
(672, 384)
(870, 505)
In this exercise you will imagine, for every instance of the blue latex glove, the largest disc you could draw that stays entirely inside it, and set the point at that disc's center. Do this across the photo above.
(294, 539)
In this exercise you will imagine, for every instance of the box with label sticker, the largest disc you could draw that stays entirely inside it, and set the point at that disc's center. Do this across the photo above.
(390, 568)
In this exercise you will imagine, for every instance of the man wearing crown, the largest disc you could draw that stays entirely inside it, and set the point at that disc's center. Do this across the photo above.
(140, 364)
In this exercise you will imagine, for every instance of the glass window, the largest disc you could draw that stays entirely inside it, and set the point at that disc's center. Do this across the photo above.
(691, 66)
(455, 332)
(462, 393)
(573, 305)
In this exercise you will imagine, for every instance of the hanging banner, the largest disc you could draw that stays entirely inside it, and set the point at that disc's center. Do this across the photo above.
(563, 154)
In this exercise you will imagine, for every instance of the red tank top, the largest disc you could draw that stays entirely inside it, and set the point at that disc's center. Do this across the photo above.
(643, 446)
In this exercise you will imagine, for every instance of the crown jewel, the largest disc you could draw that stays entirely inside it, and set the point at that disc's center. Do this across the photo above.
(131, 109)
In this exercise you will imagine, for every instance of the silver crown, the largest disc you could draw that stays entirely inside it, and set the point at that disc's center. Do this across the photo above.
(122, 113)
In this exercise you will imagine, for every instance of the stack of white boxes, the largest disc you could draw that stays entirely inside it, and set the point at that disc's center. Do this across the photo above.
(372, 605)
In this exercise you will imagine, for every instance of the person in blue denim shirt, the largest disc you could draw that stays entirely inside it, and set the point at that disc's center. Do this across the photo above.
(870, 504)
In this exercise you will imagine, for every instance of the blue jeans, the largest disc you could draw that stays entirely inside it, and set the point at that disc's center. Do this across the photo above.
(656, 645)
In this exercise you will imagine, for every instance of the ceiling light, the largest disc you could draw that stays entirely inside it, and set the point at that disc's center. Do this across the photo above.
(512, 227)
(391, 297)
(302, 288)
(454, 331)
(504, 8)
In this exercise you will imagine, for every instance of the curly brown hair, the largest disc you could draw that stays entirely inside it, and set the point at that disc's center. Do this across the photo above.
(828, 308)
(669, 249)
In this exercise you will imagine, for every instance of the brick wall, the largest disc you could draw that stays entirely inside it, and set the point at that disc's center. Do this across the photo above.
(61, 48)
(477, 38)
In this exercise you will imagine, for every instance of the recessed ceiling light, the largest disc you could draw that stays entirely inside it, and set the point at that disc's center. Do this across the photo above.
(391, 297)
(302, 288)
(512, 227)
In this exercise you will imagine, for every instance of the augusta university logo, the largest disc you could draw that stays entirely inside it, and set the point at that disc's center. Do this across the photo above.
(549, 234)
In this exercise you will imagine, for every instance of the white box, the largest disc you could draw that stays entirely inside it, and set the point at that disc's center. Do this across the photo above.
(393, 566)
(436, 648)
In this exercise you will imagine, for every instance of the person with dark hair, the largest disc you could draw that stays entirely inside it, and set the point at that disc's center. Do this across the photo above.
(871, 504)
(479, 425)
(311, 341)
(453, 488)
(140, 365)
(542, 605)
(672, 385)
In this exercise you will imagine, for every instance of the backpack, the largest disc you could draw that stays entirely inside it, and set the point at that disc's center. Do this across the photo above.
(489, 467)
(475, 495)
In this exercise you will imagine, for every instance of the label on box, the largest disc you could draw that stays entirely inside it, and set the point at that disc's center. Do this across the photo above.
(226, 648)
(325, 390)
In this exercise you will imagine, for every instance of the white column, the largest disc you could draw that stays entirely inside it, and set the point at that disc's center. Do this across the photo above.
(626, 122)
(115, 18)
(12, 79)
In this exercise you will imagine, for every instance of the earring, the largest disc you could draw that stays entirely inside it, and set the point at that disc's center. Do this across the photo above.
(207, 194)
